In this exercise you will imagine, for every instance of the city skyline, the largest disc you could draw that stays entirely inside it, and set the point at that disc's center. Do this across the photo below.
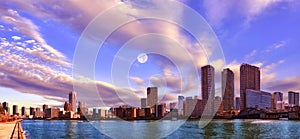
(254, 96)
(37, 48)
(251, 79)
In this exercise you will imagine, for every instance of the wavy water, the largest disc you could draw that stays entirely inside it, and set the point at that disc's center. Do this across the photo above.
(217, 129)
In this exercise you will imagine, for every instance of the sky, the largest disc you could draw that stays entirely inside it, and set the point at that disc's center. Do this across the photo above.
(40, 44)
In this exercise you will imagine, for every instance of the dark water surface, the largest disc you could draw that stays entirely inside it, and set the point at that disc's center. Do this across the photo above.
(35, 129)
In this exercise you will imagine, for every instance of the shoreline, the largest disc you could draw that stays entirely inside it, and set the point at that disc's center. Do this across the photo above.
(167, 119)
(12, 129)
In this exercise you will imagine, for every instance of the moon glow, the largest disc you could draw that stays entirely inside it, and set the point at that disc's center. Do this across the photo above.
(142, 58)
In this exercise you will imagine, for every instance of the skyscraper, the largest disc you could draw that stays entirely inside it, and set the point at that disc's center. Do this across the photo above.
(277, 99)
(31, 111)
(152, 96)
(82, 109)
(143, 102)
(15, 110)
(5, 107)
(296, 98)
(45, 107)
(293, 98)
(208, 88)
(180, 105)
(72, 100)
(161, 110)
(208, 82)
(67, 106)
(228, 89)
(249, 79)
(23, 111)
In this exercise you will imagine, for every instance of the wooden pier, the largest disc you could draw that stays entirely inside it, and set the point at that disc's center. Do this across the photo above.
(11, 130)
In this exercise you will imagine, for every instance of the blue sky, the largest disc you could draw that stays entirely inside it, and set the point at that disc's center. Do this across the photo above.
(38, 42)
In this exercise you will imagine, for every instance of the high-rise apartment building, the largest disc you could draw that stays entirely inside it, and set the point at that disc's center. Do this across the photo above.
(208, 88)
(208, 82)
(249, 79)
(15, 110)
(296, 98)
(161, 110)
(277, 98)
(31, 111)
(72, 100)
(45, 107)
(23, 111)
(228, 89)
(152, 96)
(143, 102)
(6, 107)
(180, 105)
(293, 98)
(82, 109)
(67, 106)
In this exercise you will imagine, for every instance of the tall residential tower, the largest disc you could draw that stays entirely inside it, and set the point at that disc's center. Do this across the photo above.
(152, 96)
(72, 100)
(249, 79)
(208, 82)
(228, 89)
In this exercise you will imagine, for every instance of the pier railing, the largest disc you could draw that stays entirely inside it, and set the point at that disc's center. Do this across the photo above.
(17, 132)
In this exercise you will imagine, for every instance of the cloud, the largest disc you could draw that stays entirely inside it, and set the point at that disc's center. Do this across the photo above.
(20, 74)
(279, 45)
(27, 28)
(140, 82)
(16, 38)
(168, 79)
(275, 46)
(32, 66)
(248, 10)
(284, 85)
(268, 73)
(167, 98)
(250, 56)
(78, 14)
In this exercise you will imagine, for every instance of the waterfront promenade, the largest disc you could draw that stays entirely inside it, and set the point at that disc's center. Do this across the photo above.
(11, 130)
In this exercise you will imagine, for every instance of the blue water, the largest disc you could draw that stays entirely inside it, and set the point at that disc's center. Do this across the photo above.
(35, 129)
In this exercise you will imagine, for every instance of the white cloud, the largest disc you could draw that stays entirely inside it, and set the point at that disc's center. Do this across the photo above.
(218, 11)
(250, 56)
(140, 82)
(279, 45)
(28, 28)
(77, 14)
(16, 38)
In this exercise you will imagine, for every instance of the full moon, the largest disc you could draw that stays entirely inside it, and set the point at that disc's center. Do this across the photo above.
(142, 58)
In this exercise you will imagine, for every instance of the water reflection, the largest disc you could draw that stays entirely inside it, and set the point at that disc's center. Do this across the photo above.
(216, 129)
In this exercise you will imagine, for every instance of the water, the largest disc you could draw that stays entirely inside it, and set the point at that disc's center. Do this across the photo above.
(141, 129)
